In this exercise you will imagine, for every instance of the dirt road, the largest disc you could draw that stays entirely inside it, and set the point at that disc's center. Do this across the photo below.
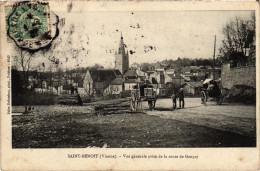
(111, 124)
(236, 118)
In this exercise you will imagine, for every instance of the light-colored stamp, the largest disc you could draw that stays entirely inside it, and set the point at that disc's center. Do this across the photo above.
(28, 24)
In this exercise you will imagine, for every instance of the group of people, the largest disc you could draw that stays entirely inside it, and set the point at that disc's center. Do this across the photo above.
(178, 95)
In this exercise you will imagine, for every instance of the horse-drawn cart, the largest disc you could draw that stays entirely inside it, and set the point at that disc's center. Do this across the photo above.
(210, 89)
(143, 93)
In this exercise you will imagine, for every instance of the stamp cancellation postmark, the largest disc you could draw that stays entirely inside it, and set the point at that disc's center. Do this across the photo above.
(28, 25)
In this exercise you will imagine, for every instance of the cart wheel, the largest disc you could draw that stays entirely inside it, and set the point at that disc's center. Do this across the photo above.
(150, 104)
(219, 100)
(153, 102)
(203, 98)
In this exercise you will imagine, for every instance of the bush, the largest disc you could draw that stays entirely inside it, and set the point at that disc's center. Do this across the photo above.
(34, 99)
(240, 94)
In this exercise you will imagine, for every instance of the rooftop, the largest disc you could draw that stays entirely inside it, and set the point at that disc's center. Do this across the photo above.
(102, 75)
(118, 81)
(130, 73)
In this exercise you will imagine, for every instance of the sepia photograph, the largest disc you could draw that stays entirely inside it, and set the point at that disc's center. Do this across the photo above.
(129, 85)
(131, 79)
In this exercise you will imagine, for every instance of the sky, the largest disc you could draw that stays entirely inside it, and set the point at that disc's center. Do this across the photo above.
(150, 36)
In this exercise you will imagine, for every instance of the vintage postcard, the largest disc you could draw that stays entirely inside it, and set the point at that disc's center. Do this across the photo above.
(129, 85)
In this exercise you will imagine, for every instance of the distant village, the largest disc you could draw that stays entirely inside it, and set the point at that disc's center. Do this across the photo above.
(119, 81)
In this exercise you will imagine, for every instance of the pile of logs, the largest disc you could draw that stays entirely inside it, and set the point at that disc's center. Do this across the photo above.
(108, 109)
(70, 99)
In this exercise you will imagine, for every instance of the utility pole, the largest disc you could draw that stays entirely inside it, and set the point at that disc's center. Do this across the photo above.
(214, 58)
(179, 70)
(180, 77)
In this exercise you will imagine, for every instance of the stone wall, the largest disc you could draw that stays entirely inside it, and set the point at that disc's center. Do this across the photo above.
(238, 76)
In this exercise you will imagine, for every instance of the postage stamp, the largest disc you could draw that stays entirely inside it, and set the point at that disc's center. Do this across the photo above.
(28, 24)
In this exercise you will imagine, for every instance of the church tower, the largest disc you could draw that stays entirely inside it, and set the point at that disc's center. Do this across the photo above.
(121, 57)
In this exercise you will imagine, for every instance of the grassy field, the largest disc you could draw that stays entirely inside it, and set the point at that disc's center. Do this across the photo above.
(112, 125)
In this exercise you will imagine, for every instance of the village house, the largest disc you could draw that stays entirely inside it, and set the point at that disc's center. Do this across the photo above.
(96, 81)
(169, 71)
(168, 78)
(187, 77)
(189, 90)
(135, 74)
(186, 70)
(178, 81)
(154, 83)
(169, 83)
(192, 88)
(209, 72)
(161, 91)
(116, 87)
(161, 80)
(130, 83)
(158, 75)
(150, 74)
(194, 70)
(130, 74)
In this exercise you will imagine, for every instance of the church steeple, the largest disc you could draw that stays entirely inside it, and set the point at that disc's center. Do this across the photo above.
(121, 49)
(121, 57)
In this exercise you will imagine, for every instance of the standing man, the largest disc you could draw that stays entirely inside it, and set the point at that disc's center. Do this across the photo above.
(181, 98)
(174, 98)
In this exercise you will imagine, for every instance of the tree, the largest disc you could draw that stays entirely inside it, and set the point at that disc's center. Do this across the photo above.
(97, 66)
(24, 59)
(17, 85)
(145, 67)
(59, 77)
(252, 52)
(239, 35)
(50, 78)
